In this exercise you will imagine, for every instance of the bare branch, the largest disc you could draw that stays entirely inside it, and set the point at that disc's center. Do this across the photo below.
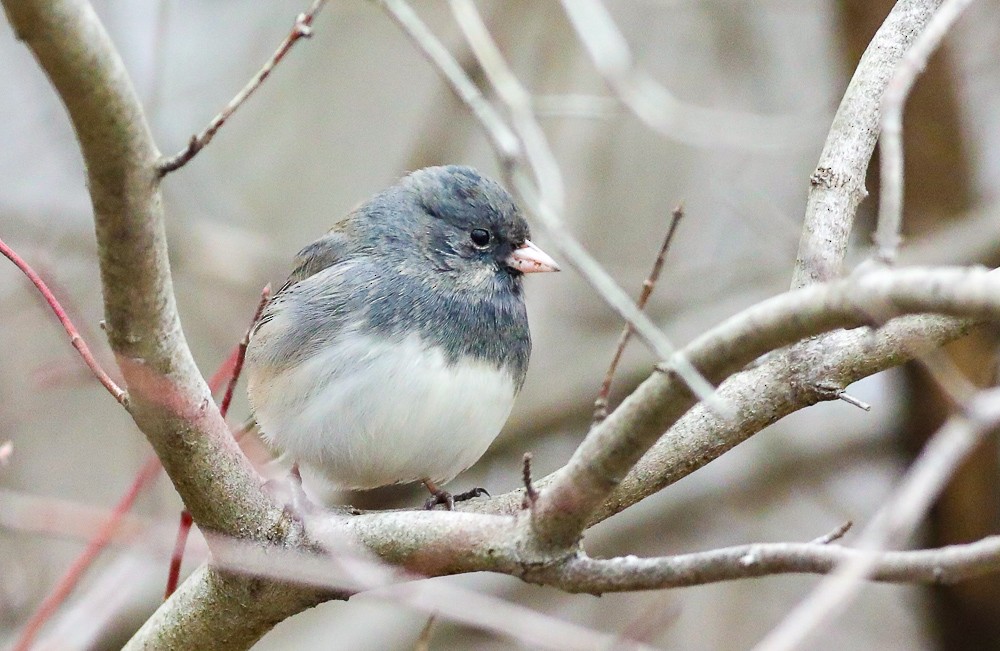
(932, 566)
(894, 522)
(74, 335)
(772, 390)
(511, 160)
(834, 535)
(655, 105)
(837, 185)
(301, 29)
(890, 213)
(347, 569)
(104, 535)
(601, 403)
(577, 491)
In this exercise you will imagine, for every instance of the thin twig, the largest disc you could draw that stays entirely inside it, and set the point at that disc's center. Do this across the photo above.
(177, 556)
(424, 639)
(74, 336)
(601, 403)
(150, 470)
(851, 400)
(265, 296)
(890, 213)
(834, 535)
(530, 492)
(301, 29)
(507, 146)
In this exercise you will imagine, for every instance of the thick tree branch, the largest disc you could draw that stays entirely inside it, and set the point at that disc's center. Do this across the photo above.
(766, 393)
(610, 450)
(837, 185)
(350, 571)
(168, 397)
(216, 609)
(169, 400)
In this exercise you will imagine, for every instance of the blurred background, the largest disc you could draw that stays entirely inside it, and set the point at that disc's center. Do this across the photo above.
(354, 108)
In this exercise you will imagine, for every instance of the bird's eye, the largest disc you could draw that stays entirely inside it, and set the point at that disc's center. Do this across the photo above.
(480, 237)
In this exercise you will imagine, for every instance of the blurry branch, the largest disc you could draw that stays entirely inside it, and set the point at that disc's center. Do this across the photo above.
(584, 107)
(505, 144)
(655, 105)
(74, 335)
(973, 237)
(837, 184)
(347, 568)
(895, 522)
(601, 403)
(509, 148)
(228, 605)
(426, 633)
(101, 539)
(301, 29)
(890, 213)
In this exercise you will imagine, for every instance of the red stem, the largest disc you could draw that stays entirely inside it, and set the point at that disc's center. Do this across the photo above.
(69, 579)
(233, 366)
(177, 557)
(74, 336)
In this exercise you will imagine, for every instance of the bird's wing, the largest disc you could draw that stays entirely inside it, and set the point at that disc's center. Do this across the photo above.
(322, 254)
(319, 255)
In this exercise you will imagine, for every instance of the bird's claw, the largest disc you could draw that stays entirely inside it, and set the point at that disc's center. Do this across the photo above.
(439, 496)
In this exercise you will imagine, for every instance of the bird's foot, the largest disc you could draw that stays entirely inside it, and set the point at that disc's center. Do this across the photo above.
(441, 496)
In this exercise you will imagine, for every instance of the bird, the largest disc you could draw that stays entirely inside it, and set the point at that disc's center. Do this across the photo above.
(394, 351)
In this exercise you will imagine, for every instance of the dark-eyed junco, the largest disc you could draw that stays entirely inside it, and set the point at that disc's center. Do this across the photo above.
(394, 351)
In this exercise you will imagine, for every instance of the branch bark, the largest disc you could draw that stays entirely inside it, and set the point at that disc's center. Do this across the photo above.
(171, 403)
(169, 399)
(837, 184)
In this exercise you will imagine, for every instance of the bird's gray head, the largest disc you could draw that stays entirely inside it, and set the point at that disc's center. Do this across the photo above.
(462, 223)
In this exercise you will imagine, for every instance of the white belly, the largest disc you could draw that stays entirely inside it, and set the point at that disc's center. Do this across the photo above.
(400, 414)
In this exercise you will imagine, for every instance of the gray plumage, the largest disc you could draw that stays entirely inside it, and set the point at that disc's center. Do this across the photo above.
(403, 263)
(395, 349)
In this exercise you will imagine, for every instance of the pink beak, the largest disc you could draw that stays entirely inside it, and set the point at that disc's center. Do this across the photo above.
(530, 259)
